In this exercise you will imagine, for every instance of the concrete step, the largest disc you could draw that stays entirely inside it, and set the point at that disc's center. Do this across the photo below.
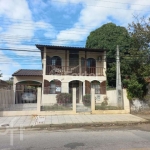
(81, 108)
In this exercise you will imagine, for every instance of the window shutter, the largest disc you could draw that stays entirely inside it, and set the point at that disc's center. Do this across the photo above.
(103, 87)
(48, 60)
(46, 87)
(58, 84)
(87, 87)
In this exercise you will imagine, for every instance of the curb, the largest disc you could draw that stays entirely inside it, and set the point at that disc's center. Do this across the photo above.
(77, 125)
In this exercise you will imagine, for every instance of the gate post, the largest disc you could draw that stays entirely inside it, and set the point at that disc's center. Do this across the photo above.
(74, 99)
(38, 99)
(92, 100)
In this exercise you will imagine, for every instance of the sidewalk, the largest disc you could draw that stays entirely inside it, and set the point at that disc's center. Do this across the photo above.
(33, 121)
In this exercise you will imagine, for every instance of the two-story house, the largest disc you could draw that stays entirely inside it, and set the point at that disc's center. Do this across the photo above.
(66, 67)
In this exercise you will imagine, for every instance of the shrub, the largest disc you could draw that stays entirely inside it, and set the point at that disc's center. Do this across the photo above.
(105, 101)
(87, 99)
(64, 98)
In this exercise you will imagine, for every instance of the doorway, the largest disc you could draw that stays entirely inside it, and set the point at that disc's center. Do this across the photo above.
(79, 89)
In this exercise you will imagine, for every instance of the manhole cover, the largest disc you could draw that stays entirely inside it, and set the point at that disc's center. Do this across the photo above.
(73, 145)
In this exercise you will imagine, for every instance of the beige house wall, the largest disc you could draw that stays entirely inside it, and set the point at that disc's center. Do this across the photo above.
(65, 79)
(27, 78)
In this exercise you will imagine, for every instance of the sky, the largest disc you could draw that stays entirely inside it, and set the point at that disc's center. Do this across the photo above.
(24, 23)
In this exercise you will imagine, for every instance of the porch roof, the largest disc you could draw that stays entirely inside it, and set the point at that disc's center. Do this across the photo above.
(28, 72)
(52, 47)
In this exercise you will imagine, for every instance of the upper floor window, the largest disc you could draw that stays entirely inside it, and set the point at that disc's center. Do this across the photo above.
(55, 60)
(91, 66)
(91, 62)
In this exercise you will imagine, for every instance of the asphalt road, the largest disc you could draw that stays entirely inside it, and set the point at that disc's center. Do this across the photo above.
(76, 139)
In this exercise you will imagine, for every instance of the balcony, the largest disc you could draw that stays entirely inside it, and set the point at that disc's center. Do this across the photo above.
(74, 71)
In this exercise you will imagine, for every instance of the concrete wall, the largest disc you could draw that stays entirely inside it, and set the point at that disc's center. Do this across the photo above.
(112, 99)
(126, 108)
(49, 99)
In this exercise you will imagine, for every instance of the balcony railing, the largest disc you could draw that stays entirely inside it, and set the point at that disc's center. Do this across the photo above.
(74, 71)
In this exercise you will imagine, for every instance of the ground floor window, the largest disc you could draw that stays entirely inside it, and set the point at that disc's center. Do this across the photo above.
(52, 87)
(96, 86)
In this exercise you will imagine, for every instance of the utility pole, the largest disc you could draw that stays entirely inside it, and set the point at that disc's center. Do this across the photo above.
(118, 81)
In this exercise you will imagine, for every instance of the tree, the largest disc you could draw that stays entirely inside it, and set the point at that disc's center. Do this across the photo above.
(108, 37)
(10, 80)
(138, 61)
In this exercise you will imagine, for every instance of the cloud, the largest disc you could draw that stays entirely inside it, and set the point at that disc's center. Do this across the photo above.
(95, 13)
(8, 66)
(15, 9)
(20, 28)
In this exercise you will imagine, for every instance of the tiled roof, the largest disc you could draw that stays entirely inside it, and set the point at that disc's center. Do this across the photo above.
(41, 47)
(27, 72)
(3, 82)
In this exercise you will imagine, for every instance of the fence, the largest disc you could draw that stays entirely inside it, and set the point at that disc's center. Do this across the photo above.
(9, 107)
(6, 99)
(13, 101)
(109, 102)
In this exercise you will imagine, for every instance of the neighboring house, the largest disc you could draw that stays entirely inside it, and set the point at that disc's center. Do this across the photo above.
(64, 68)
(4, 84)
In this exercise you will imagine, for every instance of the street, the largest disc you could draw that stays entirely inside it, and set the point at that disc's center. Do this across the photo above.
(77, 139)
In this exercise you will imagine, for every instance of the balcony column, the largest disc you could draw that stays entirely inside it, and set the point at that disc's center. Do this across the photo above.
(64, 87)
(44, 62)
(79, 64)
(83, 88)
(80, 92)
(66, 60)
(104, 65)
(85, 62)
(14, 91)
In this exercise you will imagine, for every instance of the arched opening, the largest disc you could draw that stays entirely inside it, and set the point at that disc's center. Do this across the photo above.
(53, 65)
(26, 91)
(52, 87)
(56, 61)
(96, 85)
(79, 89)
(91, 66)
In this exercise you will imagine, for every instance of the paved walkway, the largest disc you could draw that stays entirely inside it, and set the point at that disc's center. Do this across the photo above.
(29, 121)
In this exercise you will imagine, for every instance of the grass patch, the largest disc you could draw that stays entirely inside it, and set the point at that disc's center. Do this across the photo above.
(56, 107)
(100, 107)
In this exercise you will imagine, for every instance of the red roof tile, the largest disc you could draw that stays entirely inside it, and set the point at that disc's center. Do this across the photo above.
(28, 72)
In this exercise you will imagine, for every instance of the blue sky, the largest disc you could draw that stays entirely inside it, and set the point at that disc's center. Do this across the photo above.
(25, 23)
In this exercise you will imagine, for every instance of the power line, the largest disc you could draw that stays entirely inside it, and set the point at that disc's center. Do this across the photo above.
(100, 6)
